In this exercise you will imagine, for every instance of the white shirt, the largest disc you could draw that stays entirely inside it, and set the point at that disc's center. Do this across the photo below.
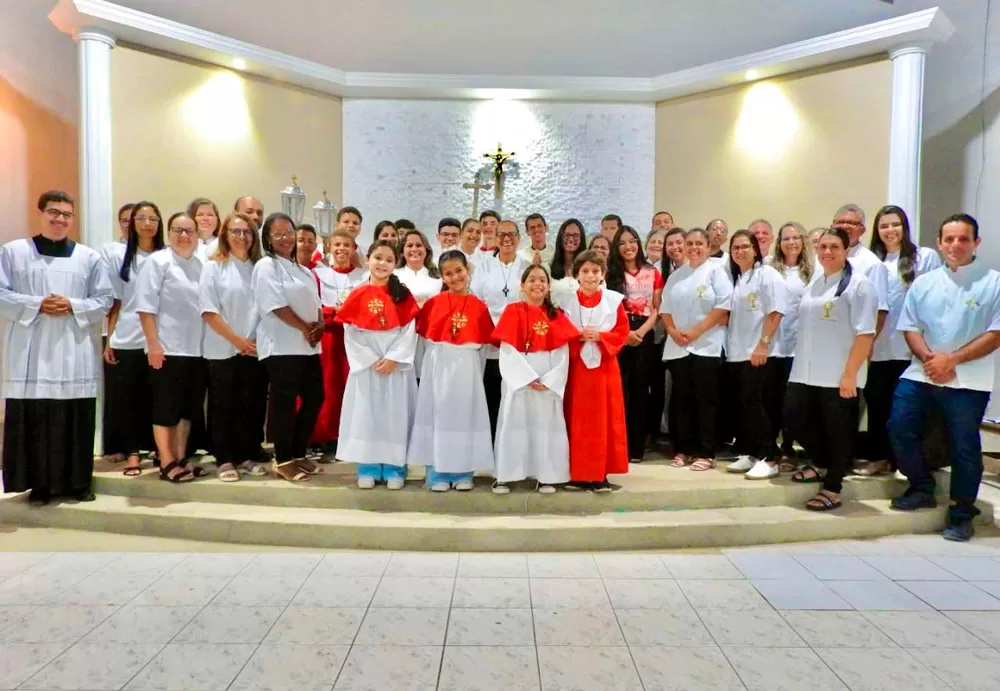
(689, 296)
(225, 290)
(498, 284)
(168, 288)
(336, 286)
(128, 330)
(758, 293)
(206, 248)
(950, 309)
(890, 344)
(788, 332)
(866, 262)
(277, 282)
(527, 253)
(420, 283)
(828, 326)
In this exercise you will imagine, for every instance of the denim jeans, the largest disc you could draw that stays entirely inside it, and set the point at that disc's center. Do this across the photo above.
(962, 411)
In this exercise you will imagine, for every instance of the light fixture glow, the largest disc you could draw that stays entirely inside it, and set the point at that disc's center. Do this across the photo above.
(239, 63)
(217, 110)
(512, 123)
(767, 123)
(751, 75)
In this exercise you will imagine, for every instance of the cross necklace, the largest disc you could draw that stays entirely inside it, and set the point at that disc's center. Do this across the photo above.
(506, 278)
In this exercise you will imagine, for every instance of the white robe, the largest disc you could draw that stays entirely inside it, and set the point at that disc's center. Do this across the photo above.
(377, 412)
(451, 427)
(531, 429)
(52, 356)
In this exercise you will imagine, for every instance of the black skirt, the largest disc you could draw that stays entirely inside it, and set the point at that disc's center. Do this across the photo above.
(48, 445)
(128, 426)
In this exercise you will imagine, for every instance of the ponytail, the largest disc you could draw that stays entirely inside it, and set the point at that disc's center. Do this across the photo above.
(397, 291)
(551, 311)
(845, 279)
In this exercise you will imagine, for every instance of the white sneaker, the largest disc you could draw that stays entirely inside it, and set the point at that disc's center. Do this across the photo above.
(762, 470)
(440, 487)
(546, 489)
(395, 483)
(741, 465)
(463, 485)
(366, 483)
(500, 488)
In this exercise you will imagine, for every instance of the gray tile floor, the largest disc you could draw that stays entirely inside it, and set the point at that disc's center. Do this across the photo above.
(909, 613)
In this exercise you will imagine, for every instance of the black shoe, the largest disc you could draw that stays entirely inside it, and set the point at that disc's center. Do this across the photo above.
(603, 487)
(85, 495)
(959, 532)
(577, 486)
(37, 498)
(913, 499)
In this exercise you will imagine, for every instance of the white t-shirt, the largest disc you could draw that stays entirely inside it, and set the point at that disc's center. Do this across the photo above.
(128, 330)
(688, 297)
(168, 288)
(225, 290)
(335, 286)
(498, 284)
(866, 262)
(420, 283)
(277, 282)
(527, 253)
(890, 344)
(788, 332)
(952, 308)
(828, 326)
(758, 293)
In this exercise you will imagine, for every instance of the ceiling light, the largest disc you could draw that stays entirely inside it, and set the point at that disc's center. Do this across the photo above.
(752, 75)
(239, 63)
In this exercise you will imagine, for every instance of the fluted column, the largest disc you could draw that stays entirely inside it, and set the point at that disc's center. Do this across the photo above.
(97, 215)
(905, 132)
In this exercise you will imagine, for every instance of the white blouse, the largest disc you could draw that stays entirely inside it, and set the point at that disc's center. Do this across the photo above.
(689, 296)
(277, 282)
(788, 332)
(128, 330)
(890, 344)
(758, 293)
(225, 290)
(336, 286)
(498, 285)
(168, 288)
(420, 283)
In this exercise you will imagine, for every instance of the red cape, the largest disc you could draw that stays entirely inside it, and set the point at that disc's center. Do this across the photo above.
(530, 329)
(370, 307)
(449, 318)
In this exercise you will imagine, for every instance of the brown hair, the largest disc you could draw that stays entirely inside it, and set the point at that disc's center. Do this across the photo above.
(589, 257)
(429, 264)
(192, 210)
(224, 250)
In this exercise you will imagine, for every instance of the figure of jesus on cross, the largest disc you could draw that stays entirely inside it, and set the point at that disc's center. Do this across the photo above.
(499, 158)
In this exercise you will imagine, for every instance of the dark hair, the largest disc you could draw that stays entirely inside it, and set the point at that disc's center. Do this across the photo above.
(616, 218)
(308, 227)
(192, 210)
(126, 207)
(597, 237)
(380, 226)
(558, 265)
(223, 250)
(180, 214)
(589, 257)
(429, 264)
(664, 213)
(845, 240)
(734, 268)
(452, 256)
(397, 291)
(132, 238)
(534, 217)
(700, 231)
(489, 213)
(54, 197)
(449, 221)
(349, 210)
(666, 267)
(616, 265)
(960, 218)
(405, 224)
(907, 250)
(550, 308)
(265, 232)
(466, 222)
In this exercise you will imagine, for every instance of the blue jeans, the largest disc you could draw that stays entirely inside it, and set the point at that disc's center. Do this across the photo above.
(962, 411)
(434, 477)
(380, 471)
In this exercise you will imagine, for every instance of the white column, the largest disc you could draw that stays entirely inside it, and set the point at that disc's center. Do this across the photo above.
(905, 131)
(97, 215)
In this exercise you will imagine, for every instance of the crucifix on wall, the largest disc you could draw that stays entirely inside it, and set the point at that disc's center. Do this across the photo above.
(499, 158)
(475, 186)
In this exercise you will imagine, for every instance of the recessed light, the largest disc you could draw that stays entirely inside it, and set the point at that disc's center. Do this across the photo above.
(752, 75)
(239, 63)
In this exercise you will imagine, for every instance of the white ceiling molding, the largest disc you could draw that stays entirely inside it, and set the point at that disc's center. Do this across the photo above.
(922, 28)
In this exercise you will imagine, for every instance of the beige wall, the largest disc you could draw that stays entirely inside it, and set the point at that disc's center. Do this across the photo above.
(183, 130)
(793, 148)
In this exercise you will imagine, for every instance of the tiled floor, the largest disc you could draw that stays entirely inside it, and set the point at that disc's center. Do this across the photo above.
(912, 613)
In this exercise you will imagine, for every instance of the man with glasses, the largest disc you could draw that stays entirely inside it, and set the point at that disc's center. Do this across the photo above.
(851, 219)
(53, 292)
(718, 233)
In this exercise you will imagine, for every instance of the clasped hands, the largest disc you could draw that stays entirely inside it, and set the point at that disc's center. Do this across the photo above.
(55, 305)
(940, 367)
(313, 331)
(591, 334)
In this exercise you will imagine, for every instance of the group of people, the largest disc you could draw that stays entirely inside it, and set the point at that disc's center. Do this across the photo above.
(474, 352)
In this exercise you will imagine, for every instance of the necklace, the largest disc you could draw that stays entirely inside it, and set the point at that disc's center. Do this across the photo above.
(458, 319)
(342, 288)
(506, 278)
(586, 322)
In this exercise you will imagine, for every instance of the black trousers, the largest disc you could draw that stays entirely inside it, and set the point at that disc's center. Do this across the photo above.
(779, 384)
(492, 382)
(824, 423)
(233, 386)
(634, 363)
(294, 377)
(48, 445)
(127, 420)
(882, 380)
(727, 389)
(695, 394)
(755, 432)
(657, 370)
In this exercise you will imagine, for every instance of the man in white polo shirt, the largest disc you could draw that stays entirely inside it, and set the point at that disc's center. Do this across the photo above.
(951, 322)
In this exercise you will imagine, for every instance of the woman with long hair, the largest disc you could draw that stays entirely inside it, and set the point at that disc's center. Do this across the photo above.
(385, 230)
(416, 268)
(206, 217)
(571, 240)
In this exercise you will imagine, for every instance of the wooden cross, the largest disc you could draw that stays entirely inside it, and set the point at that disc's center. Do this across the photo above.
(475, 186)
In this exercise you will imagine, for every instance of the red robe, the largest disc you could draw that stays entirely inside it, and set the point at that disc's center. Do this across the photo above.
(530, 329)
(595, 406)
(458, 320)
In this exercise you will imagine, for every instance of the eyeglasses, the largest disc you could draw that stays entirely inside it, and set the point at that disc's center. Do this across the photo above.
(507, 235)
(241, 232)
(739, 248)
(56, 213)
(571, 236)
(189, 232)
(281, 234)
(147, 219)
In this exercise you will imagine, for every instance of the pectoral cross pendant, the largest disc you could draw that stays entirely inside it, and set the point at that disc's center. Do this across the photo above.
(506, 291)
(381, 320)
(454, 331)
(527, 346)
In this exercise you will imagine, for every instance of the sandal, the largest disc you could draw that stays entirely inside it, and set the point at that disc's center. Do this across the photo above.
(809, 475)
(786, 465)
(196, 470)
(307, 466)
(230, 474)
(289, 470)
(183, 476)
(133, 469)
(703, 464)
(252, 469)
(115, 457)
(874, 469)
(680, 461)
(823, 502)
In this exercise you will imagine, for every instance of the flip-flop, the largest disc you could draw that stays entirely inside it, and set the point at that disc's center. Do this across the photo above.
(293, 474)
(229, 475)
(702, 465)
(823, 503)
(680, 461)
(801, 477)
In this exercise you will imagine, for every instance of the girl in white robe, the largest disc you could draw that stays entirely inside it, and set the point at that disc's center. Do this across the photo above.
(451, 428)
(534, 362)
(380, 338)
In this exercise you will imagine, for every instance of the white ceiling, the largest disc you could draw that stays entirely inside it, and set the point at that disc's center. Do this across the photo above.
(592, 38)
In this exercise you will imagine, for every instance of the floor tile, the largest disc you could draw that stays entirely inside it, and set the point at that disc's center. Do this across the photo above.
(880, 668)
(292, 668)
(671, 627)
(422, 565)
(250, 590)
(935, 546)
(18, 661)
(94, 666)
(685, 669)
(782, 669)
(821, 549)
(836, 629)
(217, 624)
(218, 566)
(764, 628)
(577, 627)
(77, 564)
(316, 626)
(970, 568)
(562, 566)
(11, 614)
(983, 625)
(323, 589)
(142, 625)
(964, 670)
(991, 587)
(491, 592)
(723, 595)
(27, 588)
(945, 595)
(568, 668)
(479, 668)
(698, 567)
(492, 566)
(490, 627)
(768, 565)
(104, 589)
(192, 666)
(884, 546)
(16, 562)
(277, 563)
(56, 624)
(381, 668)
(354, 563)
(631, 566)
(909, 568)
(802, 593)
(645, 594)
(177, 591)
(923, 630)
(156, 563)
(568, 593)
(839, 568)
(413, 591)
(876, 595)
(403, 627)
